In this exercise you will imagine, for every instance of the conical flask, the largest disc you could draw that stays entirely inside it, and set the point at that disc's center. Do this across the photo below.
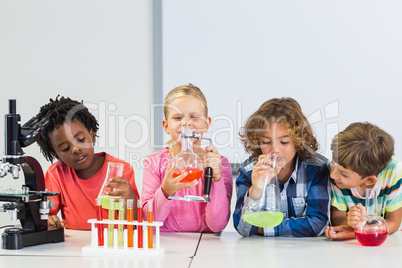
(263, 207)
(372, 229)
(187, 160)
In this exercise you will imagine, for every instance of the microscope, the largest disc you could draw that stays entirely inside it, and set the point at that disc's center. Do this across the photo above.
(30, 204)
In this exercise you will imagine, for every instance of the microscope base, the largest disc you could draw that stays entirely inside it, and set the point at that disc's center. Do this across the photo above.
(15, 238)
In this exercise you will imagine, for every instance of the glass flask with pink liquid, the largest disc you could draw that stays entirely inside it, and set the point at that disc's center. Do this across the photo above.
(372, 229)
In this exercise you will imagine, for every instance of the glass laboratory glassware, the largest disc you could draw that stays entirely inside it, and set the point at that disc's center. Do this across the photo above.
(140, 229)
(120, 227)
(263, 207)
(372, 229)
(130, 218)
(150, 228)
(99, 218)
(187, 160)
(113, 170)
(110, 227)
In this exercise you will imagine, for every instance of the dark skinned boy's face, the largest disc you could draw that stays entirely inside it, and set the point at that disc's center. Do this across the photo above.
(73, 144)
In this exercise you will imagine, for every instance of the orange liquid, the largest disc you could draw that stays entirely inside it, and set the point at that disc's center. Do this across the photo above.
(150, 230)
(193, 174)
(139, 219)
(130, 218)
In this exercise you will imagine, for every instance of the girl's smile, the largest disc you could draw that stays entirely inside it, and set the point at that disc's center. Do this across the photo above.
(185, 112)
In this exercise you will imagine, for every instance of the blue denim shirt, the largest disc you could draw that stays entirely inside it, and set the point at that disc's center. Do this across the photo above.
(305, 199)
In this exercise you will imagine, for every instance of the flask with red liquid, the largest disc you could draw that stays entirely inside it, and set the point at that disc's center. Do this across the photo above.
(187, 160)
(372, 229)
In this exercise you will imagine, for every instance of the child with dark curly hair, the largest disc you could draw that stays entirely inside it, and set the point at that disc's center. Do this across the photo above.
(79, 172)
(280, 127)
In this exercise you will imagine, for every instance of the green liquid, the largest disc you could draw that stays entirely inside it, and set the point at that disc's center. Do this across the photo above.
(120, 229)
(110, 229)
(105, 201)
(263, 218)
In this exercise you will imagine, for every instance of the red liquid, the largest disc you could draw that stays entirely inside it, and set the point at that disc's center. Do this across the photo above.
(193, 174)
(371, 239)
(150, 230)
(99, 226)
(130, 218)
(139, 219)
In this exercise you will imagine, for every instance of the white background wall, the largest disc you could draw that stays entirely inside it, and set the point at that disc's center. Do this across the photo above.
(98, 51)
(341, 60)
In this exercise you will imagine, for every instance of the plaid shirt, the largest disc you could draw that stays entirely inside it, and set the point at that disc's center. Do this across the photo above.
(305, 199)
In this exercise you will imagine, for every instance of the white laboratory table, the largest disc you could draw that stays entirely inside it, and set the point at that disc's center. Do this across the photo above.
(228, 249)
(179, 249)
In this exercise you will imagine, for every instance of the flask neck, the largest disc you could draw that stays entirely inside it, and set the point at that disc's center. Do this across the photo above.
(187, 144)
(371, 202)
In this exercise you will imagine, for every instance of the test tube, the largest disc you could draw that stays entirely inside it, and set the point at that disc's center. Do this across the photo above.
(139, 219)
(110, 227)
(150, 228)
(120, 227)
(99, 218)
(130, 218)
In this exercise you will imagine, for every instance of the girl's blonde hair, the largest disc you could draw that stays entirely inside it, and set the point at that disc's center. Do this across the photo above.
(183, 91)
(287, 112)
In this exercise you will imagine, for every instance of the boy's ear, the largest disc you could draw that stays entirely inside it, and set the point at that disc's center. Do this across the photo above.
(165, 126)
(55, 156)
(371, 180)
(93, 135)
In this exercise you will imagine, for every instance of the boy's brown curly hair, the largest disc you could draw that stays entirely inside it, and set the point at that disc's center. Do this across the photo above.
(287, 112)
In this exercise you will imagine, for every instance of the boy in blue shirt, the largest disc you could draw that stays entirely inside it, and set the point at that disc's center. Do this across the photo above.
(280, 127)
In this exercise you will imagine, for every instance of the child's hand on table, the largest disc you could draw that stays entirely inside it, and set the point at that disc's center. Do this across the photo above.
(341, 232)
(54, 221)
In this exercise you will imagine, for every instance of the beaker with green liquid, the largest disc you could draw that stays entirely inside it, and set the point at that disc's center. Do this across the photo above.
(263, 207)
(113, 170)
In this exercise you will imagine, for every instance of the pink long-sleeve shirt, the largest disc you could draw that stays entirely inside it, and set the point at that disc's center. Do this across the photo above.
(185, 216)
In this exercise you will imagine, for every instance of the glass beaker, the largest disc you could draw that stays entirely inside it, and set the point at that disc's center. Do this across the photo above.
(187, 160)
(372, 229)
(263, 207)
(113, 170)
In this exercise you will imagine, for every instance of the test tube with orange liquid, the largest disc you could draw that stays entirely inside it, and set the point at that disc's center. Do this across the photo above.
(150, 228)
(140, 219)
(130, 218)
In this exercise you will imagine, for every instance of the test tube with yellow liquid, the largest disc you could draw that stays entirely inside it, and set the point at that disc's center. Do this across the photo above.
(110, 227)
(120, 228)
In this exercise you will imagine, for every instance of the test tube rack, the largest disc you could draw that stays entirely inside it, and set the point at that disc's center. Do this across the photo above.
(94, 249)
